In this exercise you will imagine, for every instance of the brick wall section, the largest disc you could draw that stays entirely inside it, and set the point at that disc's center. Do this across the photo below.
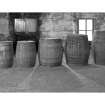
(57, 25)
(62, 24)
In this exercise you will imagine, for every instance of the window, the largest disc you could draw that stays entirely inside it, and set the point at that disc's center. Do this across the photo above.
(19, 25)
(25, 25)
(86, 27)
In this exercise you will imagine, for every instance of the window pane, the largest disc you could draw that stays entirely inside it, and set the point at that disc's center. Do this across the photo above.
(89, 24)
(82, 24)
(30, 25)
(19, 25)
(82, 32)
(89, 33)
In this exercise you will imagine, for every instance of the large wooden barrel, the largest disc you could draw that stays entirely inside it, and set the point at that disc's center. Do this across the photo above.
(99, 47)
(77, 49)
(6, 54)
(25, 53)
(50, 52)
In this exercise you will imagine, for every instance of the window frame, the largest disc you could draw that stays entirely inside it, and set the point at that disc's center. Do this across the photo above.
(25, 25)
(86, 25)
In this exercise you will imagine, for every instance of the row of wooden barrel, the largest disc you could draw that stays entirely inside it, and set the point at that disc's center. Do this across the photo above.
(50, 52)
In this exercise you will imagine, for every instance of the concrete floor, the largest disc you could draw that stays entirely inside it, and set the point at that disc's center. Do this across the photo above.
(64, 78)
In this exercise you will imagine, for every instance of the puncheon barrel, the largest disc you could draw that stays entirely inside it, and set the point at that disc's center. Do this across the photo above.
(50, 52)
(6, 54)
(26, 53)
(77, 49)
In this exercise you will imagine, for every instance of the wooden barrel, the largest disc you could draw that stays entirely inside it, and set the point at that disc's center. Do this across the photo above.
(50, 52)
(77, 49)
(26, 53)
(99, 47)
(6, 54)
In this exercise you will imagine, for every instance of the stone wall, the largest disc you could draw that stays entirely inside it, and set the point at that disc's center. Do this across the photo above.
(57, 25)
(4, 26)
(62, 24)
(98, 18)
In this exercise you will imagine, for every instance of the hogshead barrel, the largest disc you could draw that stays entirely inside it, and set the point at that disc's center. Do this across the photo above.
(50, 52)
(99, 47)
(77, 49)
(25, 53)
(6, 54)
